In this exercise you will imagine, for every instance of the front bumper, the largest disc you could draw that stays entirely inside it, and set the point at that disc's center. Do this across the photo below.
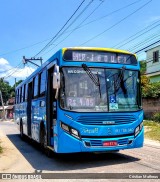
(69, 144)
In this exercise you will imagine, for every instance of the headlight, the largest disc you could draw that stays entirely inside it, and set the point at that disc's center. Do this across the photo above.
(74, 132)
(141, 126)
(65, 127)
(138, 129)
(70, 130)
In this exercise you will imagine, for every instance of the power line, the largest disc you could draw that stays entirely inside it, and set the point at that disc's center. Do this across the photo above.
(11, 73)
(76, 27)
(10, 69)
(48, 44)
(129, 40)
(115, 11)
(102, 16)
(16, 50)
(147, 47)
(117, 23)
(76, 18)
(143, 42)
(29, 68)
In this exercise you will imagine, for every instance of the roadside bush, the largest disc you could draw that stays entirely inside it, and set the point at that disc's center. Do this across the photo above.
(151, 90)
(156, 117)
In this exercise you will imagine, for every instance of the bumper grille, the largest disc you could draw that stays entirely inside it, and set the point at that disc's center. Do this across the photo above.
(99, 143)
(106, 119)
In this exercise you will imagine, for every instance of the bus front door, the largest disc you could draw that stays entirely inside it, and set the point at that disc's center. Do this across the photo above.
(51, 108)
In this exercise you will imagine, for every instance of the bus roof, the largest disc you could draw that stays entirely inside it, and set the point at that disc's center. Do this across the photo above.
(97, 49)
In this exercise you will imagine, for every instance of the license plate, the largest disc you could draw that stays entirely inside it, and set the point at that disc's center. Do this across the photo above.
(110, 143)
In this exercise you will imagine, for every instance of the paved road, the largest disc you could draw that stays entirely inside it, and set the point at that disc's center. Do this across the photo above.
(25, 156)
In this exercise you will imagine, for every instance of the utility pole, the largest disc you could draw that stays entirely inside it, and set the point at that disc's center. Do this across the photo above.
(2, 104)
(25, 60)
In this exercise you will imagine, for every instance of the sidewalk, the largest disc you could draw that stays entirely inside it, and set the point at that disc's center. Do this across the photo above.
(151, 142)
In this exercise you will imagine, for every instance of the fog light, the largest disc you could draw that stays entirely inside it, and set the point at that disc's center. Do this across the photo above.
(136, 131)
(65, 127)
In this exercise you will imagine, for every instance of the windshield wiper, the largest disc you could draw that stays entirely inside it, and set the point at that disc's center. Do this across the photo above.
(94, 78)
(120, 81)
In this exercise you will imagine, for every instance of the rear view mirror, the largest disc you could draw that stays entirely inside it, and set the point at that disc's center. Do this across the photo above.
(56, 77)
(56, 80)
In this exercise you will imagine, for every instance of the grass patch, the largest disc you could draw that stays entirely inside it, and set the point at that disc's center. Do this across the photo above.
(153, 130)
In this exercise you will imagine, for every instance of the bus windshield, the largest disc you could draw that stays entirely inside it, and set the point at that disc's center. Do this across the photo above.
(118, 90)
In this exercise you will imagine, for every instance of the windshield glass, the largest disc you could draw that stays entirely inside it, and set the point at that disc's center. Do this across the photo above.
(118, 90)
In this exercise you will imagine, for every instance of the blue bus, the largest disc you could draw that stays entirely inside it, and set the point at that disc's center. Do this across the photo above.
(83, 99)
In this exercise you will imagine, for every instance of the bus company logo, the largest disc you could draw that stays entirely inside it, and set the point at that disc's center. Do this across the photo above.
(109, 131)
(86, 130)
(108, 122)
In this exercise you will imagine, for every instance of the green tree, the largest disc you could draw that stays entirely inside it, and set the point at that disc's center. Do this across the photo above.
(143, 67)
(13, 87)
(6, 90)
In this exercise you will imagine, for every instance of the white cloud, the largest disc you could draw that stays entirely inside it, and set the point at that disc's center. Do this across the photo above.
(4, 65)
(23, 73)
(7, 71)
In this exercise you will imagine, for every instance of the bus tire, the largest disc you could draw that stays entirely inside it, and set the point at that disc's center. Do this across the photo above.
(43, 142)
(48, 152)
(42, 138)
(21, 131)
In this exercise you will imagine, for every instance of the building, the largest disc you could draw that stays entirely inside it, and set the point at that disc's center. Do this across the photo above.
(8, 109)
(153, 64)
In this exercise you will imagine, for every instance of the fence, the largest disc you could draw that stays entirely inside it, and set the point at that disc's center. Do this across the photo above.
(150, 106)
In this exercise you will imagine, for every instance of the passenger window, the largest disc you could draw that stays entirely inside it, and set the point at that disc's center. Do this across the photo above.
(35, 87)
(42, 82)
(20, 95)
(26, 92)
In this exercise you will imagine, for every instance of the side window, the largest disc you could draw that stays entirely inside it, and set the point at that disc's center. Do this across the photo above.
(22, 89)
(20, 95)
(42, 82)
(35, 92)
(26, 92)
(33, 88)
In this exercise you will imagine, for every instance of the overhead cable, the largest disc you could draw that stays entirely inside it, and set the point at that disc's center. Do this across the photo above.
(117, 23)
(48, 44)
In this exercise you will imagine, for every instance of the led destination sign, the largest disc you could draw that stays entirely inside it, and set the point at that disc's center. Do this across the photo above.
(99, 56)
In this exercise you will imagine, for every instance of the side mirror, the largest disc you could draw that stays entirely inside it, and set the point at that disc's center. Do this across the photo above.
(56, 80)
(56, 77)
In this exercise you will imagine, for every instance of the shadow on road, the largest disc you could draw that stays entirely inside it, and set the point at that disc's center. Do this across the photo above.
(76, 161)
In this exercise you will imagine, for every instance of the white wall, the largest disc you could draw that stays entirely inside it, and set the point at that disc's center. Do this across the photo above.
(152, 67)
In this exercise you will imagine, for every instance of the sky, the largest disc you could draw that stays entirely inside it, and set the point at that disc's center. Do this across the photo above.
(26, 27)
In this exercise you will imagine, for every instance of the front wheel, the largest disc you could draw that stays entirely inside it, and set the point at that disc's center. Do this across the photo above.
(42, 139)
(21, 131)
(43, 143)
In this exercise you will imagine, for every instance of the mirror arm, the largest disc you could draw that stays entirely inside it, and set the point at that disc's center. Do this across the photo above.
(56, 94)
